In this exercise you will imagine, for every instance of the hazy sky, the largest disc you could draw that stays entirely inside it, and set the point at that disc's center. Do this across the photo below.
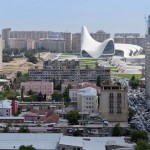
(61, 15)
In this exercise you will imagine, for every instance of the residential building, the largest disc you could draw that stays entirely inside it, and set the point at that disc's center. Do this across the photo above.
(68, 71)
(73, 94)
(100, 36)
(28, 34)
(147, 63)
(44, 87)
(1, 48)
(54, 45)
(114, 102)
(6, 35)
(68, 41)
(87, 100)
(11, 119)
(5, 108)
(76, 42)
(74, 85)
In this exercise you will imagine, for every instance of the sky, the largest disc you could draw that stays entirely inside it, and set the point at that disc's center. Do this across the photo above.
(112, 16)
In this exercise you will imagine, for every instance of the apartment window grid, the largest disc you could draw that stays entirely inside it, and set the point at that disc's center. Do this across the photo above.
(119, 103)
(111, 103)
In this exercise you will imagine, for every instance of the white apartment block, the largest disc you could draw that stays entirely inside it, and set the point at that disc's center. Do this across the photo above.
(38, 86)
(87, 100)
(21, 43)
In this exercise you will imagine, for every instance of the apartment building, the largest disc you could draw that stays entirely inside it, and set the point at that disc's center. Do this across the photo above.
(114, 102)
(87, 100)
(38, 86)
(67, 71)
(1, 48)
(54, 45)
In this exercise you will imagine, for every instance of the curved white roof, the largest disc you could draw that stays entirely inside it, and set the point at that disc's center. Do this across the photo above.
(95, 49)
(92, 47)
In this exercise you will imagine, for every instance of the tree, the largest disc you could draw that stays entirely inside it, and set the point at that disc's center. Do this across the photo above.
(131, 114)
(24, 129)
(57, 97)
(77, 133)
(29, 147)
(134, 83)
(22, 91)
(142, 145)
(66, 93)
(19, 74)
(117, 130)
(40, 97)
(73, 117)
(138, 135)
(98, 81)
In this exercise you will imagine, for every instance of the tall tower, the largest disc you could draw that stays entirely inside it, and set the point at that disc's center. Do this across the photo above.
(6, 36)
(147, 62)
(1, 47)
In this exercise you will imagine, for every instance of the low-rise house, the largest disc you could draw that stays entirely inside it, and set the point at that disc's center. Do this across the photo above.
(44, 87)
(74, 85)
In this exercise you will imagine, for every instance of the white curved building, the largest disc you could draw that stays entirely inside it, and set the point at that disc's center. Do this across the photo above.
(92, 48)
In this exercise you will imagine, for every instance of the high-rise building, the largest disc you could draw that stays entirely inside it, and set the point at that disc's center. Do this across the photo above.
(1, 47)
(6, 35)
(68, 41)
(114, 102)
(76, 42)
(130, 38)
(100, 36)
(147, 62)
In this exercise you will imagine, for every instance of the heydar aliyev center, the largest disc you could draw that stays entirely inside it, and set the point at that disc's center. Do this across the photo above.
(94, 49)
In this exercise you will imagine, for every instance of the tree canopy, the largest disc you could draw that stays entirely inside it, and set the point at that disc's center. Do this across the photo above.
(73, 117)
(29, 147)
(117, 130)
(134, 83)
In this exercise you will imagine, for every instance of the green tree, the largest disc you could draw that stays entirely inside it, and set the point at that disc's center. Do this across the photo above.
(138, 135)
(40, 97)
(73, 117)
(19, 74)
(77, 133)
(29, 147)
(117, 130)
(57, 97)
(66, 93)
(134, 83)
(131, 114)
(23, 129)
(142, 145)
(98, 81)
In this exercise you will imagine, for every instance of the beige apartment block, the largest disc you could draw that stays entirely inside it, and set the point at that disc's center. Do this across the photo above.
(114, 102)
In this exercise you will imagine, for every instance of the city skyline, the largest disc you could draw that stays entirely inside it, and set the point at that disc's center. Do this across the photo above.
(110, 16)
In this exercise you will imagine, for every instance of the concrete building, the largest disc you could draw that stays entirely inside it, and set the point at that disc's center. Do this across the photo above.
(130, 38)
(6, 35)
(38, 86)
(1, 48)
(147, 63)
(54, 45)
(95, 143)
(114, 102)
(39, 141)
(68, 71)
(87, 100)
(68, 41)
(28, 34)
(100, 36)
(76, 42)
(5, 108)
(74, 85)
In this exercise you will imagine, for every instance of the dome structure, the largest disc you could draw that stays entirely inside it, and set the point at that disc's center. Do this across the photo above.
(94, 49)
